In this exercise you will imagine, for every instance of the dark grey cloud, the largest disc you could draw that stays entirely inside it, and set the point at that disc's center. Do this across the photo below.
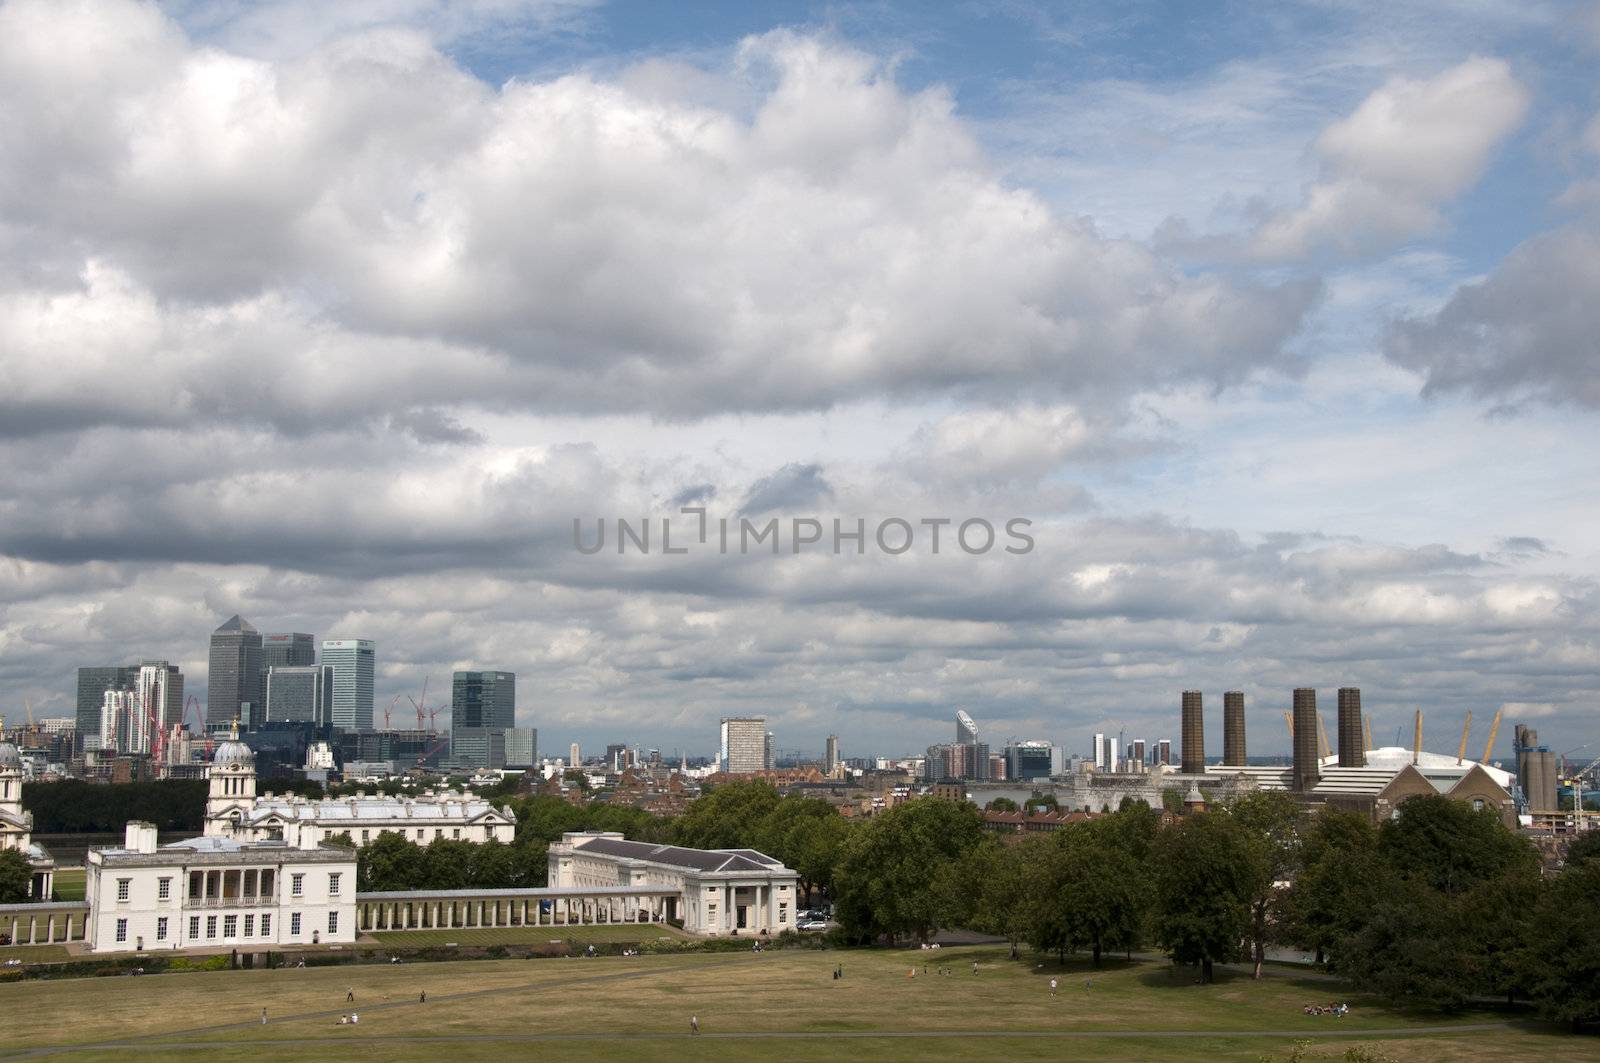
(1529, 331)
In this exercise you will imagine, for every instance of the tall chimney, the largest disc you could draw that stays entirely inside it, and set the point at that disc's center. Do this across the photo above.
(1233, 728)
(1306, 770)
(1194, 734)
(1351, 751)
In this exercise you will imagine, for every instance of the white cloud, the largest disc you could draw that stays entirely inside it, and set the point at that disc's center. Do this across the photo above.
(607, 250)
(1388, 169)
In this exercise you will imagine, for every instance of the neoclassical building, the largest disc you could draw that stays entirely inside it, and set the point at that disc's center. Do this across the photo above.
(16, 826)
(234, 810)
(211, 892)
(719, 891)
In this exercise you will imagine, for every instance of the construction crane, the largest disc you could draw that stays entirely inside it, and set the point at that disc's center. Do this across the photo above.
(1288, 721)
(1416, 745)
(428, 751)
(1466, 729)
(419, 704)
(388, 710)
(1366, 724)
(200, 720)
(1494, 729)
(1322, 737)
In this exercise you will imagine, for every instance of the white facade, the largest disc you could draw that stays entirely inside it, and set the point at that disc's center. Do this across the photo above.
(217, 893)
(233, 810)
(16, 826)
(721, 891)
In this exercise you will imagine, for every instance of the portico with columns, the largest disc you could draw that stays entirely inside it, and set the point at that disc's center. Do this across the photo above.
(713, 891)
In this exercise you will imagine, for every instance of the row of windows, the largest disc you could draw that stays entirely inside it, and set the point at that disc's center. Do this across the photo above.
(297, 886)
(230, 926)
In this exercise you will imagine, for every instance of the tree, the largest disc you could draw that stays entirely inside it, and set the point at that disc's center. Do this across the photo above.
(1099, 888)
(808, 835)
(1203, 887)
(1494, 919)
(891, 880)
(1585, 847)
(390, 862)
(16, 877)
(725, 817)
(1269, 820)
(1450, 845)
(1335, 889)
(1409, 948)
(1560, 958)
(1001, 804)
(1006, 876)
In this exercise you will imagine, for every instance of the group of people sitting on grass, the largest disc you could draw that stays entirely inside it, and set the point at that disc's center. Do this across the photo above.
(1327, 1009)
(348, 1020)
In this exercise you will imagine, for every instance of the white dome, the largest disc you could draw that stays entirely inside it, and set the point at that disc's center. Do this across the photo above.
(10, 759)
(233, 755)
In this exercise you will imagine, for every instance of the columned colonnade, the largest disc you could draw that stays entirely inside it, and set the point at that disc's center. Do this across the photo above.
(451, 909)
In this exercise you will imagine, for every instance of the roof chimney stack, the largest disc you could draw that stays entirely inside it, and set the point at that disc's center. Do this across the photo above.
(1233, 753)
(1307, 770)
(1194, 734)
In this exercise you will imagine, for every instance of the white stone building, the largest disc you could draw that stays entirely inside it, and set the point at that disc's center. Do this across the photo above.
(721, 891)
(219, 893)
(234, 810)
(16, 826)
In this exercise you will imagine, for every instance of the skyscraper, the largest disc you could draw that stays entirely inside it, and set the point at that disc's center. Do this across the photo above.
(1193, 734)
(299, 694)
(159, 689)
(481, 703)
(830, 760)
(966, 730)
(574, 756)
(354, 663)
(744, 744)
(233, 690)
(93, 683)
(290, 649)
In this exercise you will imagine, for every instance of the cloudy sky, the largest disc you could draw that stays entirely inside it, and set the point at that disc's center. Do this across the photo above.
(1279, 322)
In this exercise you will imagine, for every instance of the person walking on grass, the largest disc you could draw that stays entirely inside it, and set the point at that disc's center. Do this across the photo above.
(423, 999)
(263, 1016)
(694, 1024)
(1052, 987)
(350, 995)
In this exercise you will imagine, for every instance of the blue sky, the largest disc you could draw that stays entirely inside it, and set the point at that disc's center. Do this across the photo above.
(1278, 320)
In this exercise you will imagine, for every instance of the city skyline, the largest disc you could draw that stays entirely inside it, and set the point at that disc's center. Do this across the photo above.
(339, 317)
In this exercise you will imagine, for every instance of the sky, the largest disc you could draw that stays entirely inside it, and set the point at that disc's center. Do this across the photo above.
(1278, 324)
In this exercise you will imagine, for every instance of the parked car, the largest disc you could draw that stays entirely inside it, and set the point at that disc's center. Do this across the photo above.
(814, 924)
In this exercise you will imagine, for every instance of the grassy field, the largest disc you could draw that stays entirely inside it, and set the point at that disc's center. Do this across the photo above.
(782, 1005)
(526, 935)
(69, 883)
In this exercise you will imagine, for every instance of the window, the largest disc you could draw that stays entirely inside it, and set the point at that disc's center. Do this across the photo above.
(364, 835)
(211, 926)
(230, 926)
(194, 926)
(122, 888)
(164, 889)
(456, 833)
(333, 884)
(294, 924)
(419, 834)
(297, 884)
(161, 928)
(333, 922)
(1477, 804)
(783, 911)
(249, 926)
(438, 832)
(122, 930)
(266, 925)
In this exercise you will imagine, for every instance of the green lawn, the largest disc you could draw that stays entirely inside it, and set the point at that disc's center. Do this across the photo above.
(69, 883)
(526, 935)
(33, 953)
(781, 1005)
